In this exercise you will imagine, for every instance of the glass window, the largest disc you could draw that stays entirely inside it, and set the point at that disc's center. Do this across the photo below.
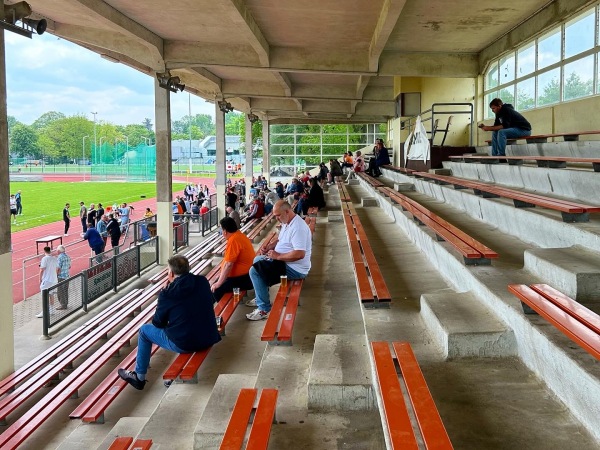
(507, 68)
(282, 129)
(548, 90)
(488, 98)
(578, 78)
(525, 94)
(526, 60)
(507, 95)
(579, 34)
(549, 47)
(491, 77)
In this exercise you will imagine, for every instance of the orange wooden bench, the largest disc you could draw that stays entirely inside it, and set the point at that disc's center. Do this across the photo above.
(280, 323)
(371, 287)
(542, 138)
(16, 433)
(553, 162)
(473, 251)
(241, 416)
(260, 227)
(574, 320)
(570, 211)
(397, 417)
(344, 196)
(127, 443)
(374, 182)
(404, 170)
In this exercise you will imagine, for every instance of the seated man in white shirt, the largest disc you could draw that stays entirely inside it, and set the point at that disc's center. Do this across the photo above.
(293, 247)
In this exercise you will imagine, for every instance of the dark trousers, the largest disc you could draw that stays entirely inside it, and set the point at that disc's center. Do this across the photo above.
(84, 224)
(243, 282)
(67, 225)
(63, 293)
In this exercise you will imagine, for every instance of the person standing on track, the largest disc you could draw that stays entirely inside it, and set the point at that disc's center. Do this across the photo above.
(67, 218)
(13, 208)
(83, 217)
(19, 205)
(114, 231)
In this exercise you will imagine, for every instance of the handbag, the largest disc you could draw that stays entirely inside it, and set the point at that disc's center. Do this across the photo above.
(270, 270)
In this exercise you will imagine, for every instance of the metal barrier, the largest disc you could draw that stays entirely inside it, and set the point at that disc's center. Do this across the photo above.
(180, 235)
(78, 291)
(199, 223)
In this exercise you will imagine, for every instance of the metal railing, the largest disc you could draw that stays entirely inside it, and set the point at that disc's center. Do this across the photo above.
(77, 292)
(199, 223)
(437, 109)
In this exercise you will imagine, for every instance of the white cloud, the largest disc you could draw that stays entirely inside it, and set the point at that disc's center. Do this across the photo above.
(50, 74)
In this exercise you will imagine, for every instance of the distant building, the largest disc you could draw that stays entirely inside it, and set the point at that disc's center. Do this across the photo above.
(207, 147)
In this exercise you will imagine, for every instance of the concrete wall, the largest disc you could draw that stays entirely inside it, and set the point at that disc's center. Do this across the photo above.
(436, 90)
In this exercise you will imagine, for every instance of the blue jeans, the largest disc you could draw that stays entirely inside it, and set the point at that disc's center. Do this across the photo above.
(499, 139)
(148, 335)
(261, 289)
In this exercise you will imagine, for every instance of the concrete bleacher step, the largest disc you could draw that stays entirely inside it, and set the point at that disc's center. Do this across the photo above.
(404, 187)
(340, 374)
(575, 271)
(465, 328)
(213, 422)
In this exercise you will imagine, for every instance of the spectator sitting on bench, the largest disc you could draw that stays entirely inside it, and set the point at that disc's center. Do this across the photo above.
(239, 256)
(335, 170)
(257, 209)
(184, 321)
(381, 157)
(293, 248)
(234, 215)
(315, 197)
(359, 166)
(509, 124)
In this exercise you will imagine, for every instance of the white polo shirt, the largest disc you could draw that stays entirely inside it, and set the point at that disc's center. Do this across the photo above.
(49, 277)
(296, 236)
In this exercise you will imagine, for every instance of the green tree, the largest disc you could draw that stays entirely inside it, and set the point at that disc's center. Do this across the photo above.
(147, 123)
(12, 121)
(550, 94)
(46, 119)
(24, 141)
(136, 134)
(62, 139)
(575, 87)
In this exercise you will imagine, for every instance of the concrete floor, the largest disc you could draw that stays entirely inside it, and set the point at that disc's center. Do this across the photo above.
(485, 403)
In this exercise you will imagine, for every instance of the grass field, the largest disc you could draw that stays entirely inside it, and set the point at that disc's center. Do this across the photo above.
(43, 202)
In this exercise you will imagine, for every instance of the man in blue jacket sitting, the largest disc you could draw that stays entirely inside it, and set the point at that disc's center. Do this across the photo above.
(184, 321)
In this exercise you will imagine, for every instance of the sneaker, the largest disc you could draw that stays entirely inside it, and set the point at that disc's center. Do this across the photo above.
(251, 303)
(131, 377)
(40, 315)
(61, 307)
(257, 314)
(66, 234)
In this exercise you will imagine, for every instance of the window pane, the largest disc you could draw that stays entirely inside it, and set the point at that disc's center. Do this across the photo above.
(282, 129)
(549, 49)
(491, 77)
(579, 78)
(579, 34)
(526, 60)
(526, 94)
(548, 87)
(507, 68)
(507, 95)
(488, 98)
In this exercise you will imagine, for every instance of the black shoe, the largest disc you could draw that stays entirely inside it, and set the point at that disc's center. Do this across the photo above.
(131, 377)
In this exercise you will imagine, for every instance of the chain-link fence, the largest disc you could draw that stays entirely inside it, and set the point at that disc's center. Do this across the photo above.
(78, 291)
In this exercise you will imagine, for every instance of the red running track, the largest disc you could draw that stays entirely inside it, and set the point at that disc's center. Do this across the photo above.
(23, 242)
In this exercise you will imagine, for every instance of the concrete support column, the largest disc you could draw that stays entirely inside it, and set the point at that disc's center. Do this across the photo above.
(266, 143)
(164, 175)
(7, 331)
(220, 165)
(249, 160)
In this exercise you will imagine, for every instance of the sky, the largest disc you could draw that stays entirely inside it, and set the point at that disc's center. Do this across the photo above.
(47, 73)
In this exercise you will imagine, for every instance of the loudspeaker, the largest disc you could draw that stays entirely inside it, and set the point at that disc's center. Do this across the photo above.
(38, 25)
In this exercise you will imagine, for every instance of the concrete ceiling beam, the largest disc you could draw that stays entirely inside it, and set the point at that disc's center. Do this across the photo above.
(448, 65)
(104, 13)
(361, 85)
(182, 54)
(254, 35)
(116, 45)
(388, 17)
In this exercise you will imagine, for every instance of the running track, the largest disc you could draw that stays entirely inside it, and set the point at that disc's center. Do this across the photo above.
(23, 242)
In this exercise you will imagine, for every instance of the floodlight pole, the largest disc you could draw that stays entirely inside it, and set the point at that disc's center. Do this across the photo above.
(83, 156)
(95, 148)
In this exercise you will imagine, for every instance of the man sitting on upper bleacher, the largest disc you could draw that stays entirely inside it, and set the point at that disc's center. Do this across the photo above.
(184, 321)
(509, 124)
(293, 247)
(239, 256)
